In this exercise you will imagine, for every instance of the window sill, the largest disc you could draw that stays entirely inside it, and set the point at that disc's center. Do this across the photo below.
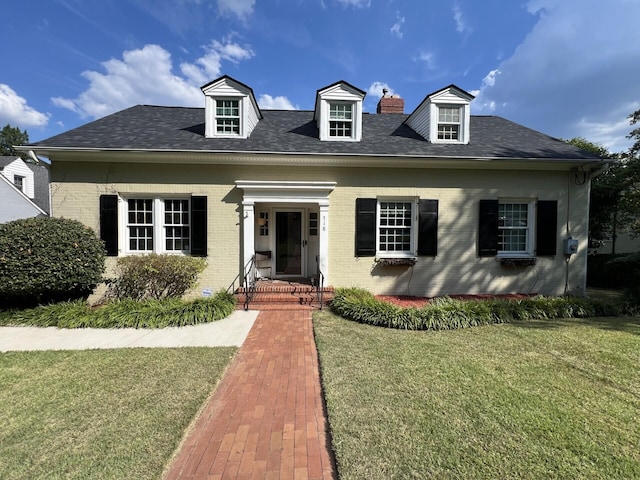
(395, 261)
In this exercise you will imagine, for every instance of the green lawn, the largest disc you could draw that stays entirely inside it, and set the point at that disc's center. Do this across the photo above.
(100, 414)
(540, 399)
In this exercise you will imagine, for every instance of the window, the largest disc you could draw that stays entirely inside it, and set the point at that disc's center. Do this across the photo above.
(449, 123)
(514, 228)
(410, 227)
(395, 227)
(228, 117)
(176, 225)
(313, 224)
(18, 181)
(340, 120)
(158, 225)
(140, 225)
(263, 223)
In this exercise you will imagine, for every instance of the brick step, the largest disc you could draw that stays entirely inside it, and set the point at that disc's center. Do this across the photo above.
(283, 297)
(290, 289)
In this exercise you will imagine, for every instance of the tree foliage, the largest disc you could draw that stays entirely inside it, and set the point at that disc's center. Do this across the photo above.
(10, 136)
(615, 194)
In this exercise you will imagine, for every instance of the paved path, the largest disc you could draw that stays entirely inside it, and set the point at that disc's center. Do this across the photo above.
(230, 331)
(266, 419)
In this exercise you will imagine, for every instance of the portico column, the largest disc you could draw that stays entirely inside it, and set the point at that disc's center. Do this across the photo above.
(248, 237)
(323, 241)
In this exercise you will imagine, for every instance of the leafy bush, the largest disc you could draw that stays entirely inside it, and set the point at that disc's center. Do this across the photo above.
(447, 313)
(45, 259)
(125, 313)
(155, 276)
(629, 265)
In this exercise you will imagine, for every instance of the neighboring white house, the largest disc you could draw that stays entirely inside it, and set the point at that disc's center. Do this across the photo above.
(24, 189)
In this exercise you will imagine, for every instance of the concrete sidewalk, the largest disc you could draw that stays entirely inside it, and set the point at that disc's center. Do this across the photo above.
(230, 331)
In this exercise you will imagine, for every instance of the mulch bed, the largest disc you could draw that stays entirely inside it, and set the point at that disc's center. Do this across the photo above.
(409, 301)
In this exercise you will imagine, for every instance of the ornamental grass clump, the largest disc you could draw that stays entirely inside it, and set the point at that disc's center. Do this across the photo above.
(126, 313)
(447, 313)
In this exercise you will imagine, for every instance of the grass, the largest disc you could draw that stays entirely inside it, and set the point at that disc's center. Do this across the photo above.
(552, 399)
(108, 414)
(172, 312)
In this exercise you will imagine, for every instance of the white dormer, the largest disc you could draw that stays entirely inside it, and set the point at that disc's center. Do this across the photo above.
(231, 110)
(338, 112)
(443, 116)
(20, 175)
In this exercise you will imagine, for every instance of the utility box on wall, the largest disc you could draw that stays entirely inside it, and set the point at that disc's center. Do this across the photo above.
(570, 246)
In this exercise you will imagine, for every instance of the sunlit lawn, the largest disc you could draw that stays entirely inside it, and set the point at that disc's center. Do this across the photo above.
(541, 399)
(100, 414)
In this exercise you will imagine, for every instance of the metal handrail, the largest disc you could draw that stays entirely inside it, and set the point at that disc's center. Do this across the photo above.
(321, 287)
(250, 281)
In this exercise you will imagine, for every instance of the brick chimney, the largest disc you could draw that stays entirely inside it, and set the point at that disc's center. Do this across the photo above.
(390, 103)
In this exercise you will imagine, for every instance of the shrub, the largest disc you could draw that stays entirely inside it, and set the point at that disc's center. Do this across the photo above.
(155, 276)
(629, 266)
(447, 313)
(170, 312)
(45, 259)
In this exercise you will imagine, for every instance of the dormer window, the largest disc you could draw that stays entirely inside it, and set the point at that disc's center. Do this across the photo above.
(338, 112)
(449, 123)
(228, 117)
(18, 181)
(340, 120)
(443, 116)
(230, 108)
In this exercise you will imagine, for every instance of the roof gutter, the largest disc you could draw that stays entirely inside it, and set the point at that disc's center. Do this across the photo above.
(46, 150)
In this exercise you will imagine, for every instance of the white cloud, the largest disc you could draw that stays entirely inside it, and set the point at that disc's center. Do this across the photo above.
(427, 58)
(15, 111)
(397, 27)
(355, 3)
(461, 24)
(375, 89)
(574, 74)
(146, 76)
(241, 8)
(275, 103)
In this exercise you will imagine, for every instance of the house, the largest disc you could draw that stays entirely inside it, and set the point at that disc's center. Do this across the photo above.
(24, 189)
(433, 202)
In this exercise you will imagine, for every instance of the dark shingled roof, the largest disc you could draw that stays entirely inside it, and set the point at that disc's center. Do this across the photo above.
(177, 128)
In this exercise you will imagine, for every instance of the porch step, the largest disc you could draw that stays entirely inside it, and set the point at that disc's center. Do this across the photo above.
(284, 297)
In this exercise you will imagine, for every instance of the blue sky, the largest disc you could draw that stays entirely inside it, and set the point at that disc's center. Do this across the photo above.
(564, 67)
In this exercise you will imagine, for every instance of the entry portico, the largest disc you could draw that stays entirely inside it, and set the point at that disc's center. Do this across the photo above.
(298, 211)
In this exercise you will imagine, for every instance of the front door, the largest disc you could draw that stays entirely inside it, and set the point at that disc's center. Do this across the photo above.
(289, 244)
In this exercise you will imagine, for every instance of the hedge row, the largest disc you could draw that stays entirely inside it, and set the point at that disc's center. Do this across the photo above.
(447, 313)
(125, 313)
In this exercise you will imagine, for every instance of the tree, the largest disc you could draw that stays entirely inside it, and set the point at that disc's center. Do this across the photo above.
(606, 192)
(615, 194)
(10, 136)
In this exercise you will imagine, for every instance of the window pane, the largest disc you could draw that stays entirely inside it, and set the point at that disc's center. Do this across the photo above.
(339, 111)
(176, 225)
(395, 224)
(448, 132)
(513, 227)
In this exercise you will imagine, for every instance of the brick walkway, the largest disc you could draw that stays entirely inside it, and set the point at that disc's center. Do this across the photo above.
(266, 419)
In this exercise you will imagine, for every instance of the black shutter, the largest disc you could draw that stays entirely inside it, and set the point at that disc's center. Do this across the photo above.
(488, 231)
(199, 226)
(547, 227)
(366, 227)
(109, 223)
(428, 228)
